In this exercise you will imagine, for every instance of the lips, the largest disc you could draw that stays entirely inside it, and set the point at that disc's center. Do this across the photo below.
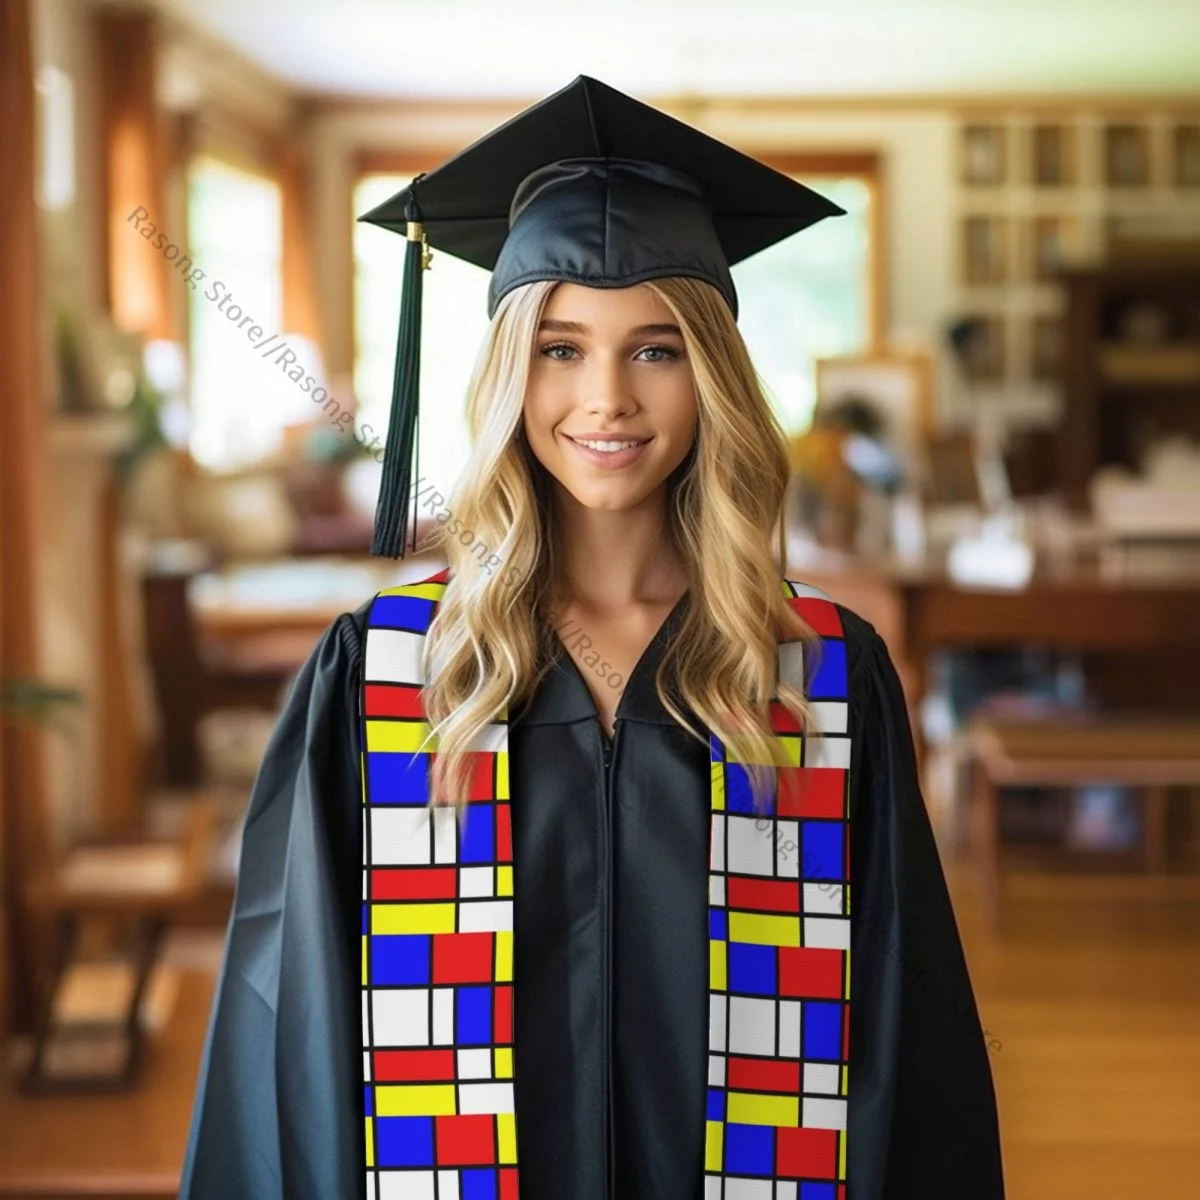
(611, 458)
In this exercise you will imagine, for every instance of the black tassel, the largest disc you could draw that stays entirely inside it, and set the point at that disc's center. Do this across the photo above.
(400, 453)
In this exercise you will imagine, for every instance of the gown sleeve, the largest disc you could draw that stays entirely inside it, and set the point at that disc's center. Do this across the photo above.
(924, 1122)
(278, 1108)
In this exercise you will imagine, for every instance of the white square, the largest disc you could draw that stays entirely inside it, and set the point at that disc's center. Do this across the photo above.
(791, 1029)
(716, 1021)
(449, 1184)
(827, 752)
(750, 853)
(751, 1025)
(443, 1016)
(808, 590)
(406, 1185)
(399, 835)
(822, 1077)
(829, 716)
(822, 1113)
(785, 1189)
(495, 1097)
(367, 1066)
(823, 897)
(474, 1064)
(445, 834)
(716, 890)
(716, 1070)
(791, 664)
(491, 739)
(477, 881)
(366, 1025)
(394, 656)
(738, 1188)
(787, 848)
(713, 1187)
(480, 916)
(401, 1016)
(717, 834)
(827, 933)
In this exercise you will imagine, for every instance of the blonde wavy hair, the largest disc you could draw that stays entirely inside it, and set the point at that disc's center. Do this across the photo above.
(492, 638)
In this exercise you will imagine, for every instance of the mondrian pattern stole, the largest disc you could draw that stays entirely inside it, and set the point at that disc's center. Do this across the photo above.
(437, 944)
(779, 940)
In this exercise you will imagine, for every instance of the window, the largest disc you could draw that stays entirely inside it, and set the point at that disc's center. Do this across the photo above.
(808, 297)
(240, 402)
(804, 298)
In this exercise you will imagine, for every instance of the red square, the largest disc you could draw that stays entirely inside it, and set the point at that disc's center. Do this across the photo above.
(769, 895)
(414, 883)
(806, 1153)
(503, 832)
(764, 1075)
(462, 958)
(508, 1184)
(782, 720)
(465, 1141)
(502, 1014)
(821, 615)
(812, 792)
(396, 1066)
(394, 700)
(811, 971)
(483, 776)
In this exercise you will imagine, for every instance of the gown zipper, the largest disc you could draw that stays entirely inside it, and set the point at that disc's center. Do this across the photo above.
(608, 749)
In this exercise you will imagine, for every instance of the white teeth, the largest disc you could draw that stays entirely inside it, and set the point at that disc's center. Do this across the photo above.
(606, 447)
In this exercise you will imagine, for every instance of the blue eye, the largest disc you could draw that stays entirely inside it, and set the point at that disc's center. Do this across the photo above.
(666, 352)
(550, 351)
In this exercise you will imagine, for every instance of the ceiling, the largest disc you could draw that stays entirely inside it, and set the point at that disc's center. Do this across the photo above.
(521, 48)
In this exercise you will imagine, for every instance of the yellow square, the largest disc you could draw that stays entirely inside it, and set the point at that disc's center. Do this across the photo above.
(502, 775)
(506, 1138)
(792, 745)
(718, 786)
(399, 737)
(714, 1145)
(504, 881)
(413, 918)
(416, 1100)
(504, 1062)
(370, 1141)
(763, 930)
(756, 1108)
(504, 955)
(718, 966)
(365, 978)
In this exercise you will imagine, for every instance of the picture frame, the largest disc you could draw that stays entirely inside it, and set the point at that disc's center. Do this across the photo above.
(898, 384)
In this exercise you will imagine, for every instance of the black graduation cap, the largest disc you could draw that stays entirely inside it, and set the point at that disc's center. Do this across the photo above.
(588, 186)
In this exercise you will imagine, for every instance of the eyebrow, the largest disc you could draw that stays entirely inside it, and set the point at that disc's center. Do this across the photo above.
(552, 326)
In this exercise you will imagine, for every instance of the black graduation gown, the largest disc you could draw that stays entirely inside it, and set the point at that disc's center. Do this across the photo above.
(610, 956)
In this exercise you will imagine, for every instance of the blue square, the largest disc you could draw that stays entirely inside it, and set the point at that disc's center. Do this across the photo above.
(366, 909)
(715, 1105)
(398, 958)
(822, 1026)
(404, 1141)
(824, 849)
(478, 843)
(718, 925)
(752, 968)
(816, 1191)
(749, 1149)
(479, 1183)
(394, 777)
(368, 1101)
(716, 748)
(828, 680)
(473, 1015)
(413, 613)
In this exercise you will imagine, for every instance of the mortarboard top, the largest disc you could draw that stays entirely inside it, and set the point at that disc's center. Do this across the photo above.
(587, 186)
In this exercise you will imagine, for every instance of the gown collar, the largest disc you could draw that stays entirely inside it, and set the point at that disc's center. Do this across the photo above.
(564, 697)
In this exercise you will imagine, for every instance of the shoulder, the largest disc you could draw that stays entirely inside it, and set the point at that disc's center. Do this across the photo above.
(832, 621)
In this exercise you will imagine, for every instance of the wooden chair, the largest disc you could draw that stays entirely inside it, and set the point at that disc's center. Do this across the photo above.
(137, 885)
(1148, 754)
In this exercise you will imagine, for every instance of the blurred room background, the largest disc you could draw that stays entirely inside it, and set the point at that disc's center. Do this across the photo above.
(989, 373)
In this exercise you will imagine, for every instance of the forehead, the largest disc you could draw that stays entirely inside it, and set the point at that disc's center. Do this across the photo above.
(604, 308)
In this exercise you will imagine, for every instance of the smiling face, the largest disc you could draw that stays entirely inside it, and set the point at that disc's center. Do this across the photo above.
(610, 409)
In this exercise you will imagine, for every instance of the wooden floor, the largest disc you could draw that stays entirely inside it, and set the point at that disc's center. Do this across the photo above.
(1091, 998)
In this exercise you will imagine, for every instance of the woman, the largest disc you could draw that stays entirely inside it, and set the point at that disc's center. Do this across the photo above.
(605, 930)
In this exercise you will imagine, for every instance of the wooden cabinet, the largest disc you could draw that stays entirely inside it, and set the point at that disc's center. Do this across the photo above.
(1130, 363)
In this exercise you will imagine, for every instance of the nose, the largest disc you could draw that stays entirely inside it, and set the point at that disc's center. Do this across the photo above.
(605, 388)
